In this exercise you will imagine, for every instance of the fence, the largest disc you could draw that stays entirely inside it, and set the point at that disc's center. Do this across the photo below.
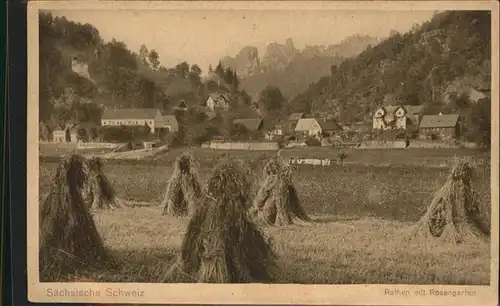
(381, 144)
(251, 146)
(98, 145)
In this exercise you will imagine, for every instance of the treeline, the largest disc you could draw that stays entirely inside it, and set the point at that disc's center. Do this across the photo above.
(430, 65)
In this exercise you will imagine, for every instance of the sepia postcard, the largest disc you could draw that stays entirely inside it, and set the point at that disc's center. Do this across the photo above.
(263, 152)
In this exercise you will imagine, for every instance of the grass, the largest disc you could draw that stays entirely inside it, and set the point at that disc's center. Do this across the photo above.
(361, 212)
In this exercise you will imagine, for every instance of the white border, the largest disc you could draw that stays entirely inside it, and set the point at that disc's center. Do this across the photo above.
(247, 294)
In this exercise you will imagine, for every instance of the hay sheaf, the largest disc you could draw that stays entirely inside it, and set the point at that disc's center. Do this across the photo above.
(453, 214)
(184, 188)
(98, 192)
(277, 202)
(68, 234)
(221, 244)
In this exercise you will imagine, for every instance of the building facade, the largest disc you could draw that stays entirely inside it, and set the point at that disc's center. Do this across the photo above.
(308, 127)
(397, 117)
(440, 127)
(150, 117)
(218, 101)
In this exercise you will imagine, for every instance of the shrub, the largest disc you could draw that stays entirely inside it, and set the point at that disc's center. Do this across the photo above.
(313, 141)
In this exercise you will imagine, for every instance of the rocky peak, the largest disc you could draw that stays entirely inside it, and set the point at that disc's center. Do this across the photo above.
(278, 56)
(246, 62)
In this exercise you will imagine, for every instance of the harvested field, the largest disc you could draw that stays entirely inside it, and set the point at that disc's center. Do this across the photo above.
(360, 213)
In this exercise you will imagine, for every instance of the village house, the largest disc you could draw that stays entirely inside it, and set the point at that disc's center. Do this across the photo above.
(440, 127)
(275, 132)
(308, 127)
(218, 101)
(317, 127)
(293, 119)
(397, 117)
(252, 125)
(151, 117)
(60, 135)
(329, 127)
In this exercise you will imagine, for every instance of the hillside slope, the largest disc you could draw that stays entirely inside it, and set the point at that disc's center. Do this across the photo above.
(430, 65)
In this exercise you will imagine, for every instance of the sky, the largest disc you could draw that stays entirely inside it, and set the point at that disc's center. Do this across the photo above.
(203, 37)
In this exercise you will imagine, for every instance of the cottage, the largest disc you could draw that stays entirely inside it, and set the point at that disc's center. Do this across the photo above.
(440, 127)
(329, 127)
(218, 101)
(395, 117)
(151, 117)
(60, 135)
(293, 120)
(308, 127)
(275, 132)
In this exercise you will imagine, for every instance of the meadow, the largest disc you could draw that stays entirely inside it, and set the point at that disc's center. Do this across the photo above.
(362, 211)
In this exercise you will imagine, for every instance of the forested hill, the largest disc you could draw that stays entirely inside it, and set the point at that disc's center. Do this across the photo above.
(430, 65)
(80, 73)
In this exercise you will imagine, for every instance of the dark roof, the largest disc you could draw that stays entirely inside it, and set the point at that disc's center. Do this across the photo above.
(413, 109)
(251, 124)
(87, 125)
(295, 116)
(329, 124)
(130, 113)
(439, 121)
(220, 95)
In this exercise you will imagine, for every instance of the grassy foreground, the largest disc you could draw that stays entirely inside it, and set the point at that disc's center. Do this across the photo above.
(361, 213)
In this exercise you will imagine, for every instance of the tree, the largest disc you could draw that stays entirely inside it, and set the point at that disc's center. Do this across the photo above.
(219, 70)
(118, 56)
(182, 69)
(154, 59)
(144, 54)
(271, 99)
(228, 76)
(196, 69)
(235, 83)
(479, 120)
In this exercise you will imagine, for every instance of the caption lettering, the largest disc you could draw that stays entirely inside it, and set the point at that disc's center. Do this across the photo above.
(92, 292)
(429, 292)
